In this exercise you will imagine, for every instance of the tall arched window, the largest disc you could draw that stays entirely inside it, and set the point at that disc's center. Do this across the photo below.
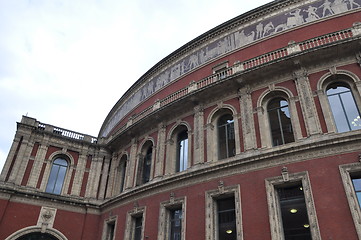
(343, 106)
(122, 171)
(57, 176)
(145, 163)
(226, 139)
(280, 122)
(182, 151)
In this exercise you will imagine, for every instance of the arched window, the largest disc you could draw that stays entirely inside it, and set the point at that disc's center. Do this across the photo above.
(145, 163)
(182, 151)
(226, 139)
(122, 171)
(280, 121)
(37, 236)
(343, 106)
(57, 176)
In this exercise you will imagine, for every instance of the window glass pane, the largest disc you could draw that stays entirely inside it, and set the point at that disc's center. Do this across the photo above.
(343, 107)
(222, 139)
(60, 180)
(358, 194)
(110, 231)
(286, 124)
(226, 219)
(182, 152)
(294, 213)
(138, 228)
(52, 179)
(146, 165)
(351, 110)
(57, 176)
(338, 113)
(175, 224)
(226, 137)
(357, 184)
(123, 168)
(61, 162)
(280, 122)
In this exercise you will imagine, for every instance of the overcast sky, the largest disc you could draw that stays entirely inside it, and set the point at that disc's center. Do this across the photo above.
(67, 62)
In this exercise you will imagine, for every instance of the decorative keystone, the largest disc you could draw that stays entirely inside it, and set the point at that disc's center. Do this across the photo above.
(285, 174)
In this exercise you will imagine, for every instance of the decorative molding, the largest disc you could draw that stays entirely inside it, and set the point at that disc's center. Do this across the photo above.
(46, 218)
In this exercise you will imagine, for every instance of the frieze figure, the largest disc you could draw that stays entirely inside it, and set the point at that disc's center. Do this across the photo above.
(267, 28)
(353, 3)
(311, 14)
(326, 8)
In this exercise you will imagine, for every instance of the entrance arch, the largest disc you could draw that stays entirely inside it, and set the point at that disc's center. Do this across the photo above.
(37, 236)
(36, 233)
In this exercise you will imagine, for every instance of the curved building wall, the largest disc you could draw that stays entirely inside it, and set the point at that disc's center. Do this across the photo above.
(250, 131)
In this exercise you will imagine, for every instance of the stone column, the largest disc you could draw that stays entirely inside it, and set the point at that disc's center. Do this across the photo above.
(264, 127)
(159, 165)
(247, 120)
(198, 145)
(79, 174)
(170, 162)
(94, 176)
(17, 140)
(307, 102)
(103, 180)
(112, 175)
(21, 160)
(132, 165)
(211, 143)
(38, 164)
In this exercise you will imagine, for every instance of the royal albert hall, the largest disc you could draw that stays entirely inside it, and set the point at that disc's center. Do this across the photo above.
(250, 131)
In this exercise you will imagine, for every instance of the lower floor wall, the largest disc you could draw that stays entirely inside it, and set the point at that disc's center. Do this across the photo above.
(256, 209)
(20, 217)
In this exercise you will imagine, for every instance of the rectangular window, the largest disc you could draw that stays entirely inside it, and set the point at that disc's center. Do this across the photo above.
(134, 229)
(109, 228)
(294, 213)
(351, 179)
(138, 222)
(175, 224)
(226, 218)
(172, 215)
(223, 213)
(289, 215)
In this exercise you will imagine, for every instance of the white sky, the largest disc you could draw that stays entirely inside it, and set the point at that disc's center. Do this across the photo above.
(67, 62)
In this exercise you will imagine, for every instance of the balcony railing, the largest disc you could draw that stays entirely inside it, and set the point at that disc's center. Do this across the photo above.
(66, 133)
(292, 48)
